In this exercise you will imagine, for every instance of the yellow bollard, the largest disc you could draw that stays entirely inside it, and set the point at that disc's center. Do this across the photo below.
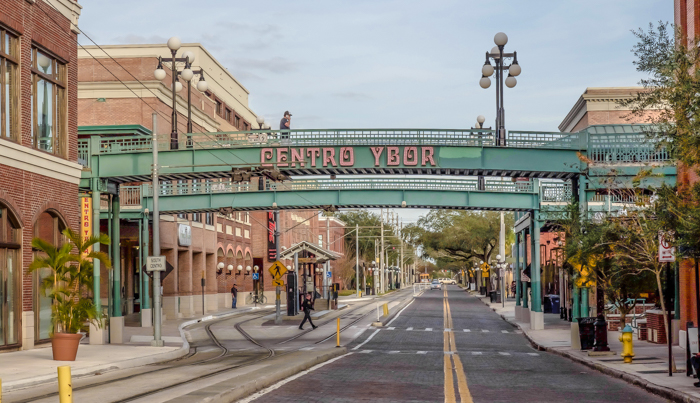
(0, 390)
(627, 347)
(65, 387)
(337, 335)
(386, 309)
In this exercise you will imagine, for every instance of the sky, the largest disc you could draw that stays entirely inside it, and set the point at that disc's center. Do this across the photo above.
(395, 63)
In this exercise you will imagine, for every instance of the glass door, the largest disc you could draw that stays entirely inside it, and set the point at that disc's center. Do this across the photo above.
(9, 315)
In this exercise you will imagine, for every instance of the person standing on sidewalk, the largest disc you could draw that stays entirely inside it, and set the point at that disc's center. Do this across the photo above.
(285, 125)
(234, 296)
(307, 307)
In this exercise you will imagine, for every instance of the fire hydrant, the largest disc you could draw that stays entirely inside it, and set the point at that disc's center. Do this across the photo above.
(627, 348)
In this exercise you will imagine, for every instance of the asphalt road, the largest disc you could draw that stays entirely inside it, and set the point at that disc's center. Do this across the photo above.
(448, 346)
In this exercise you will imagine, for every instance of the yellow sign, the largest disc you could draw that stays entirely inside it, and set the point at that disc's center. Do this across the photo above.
(86, 218)
(277, 270)
(485, 269)
(278, 282)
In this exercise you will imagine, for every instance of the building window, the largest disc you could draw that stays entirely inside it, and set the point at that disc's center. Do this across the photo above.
(246, 234)
(219, 227)
(237, 122)
(229, 230)
(48, 103)
(209, 218)
(228, 115)
(10, 278)
(9, 85)
(218, 108)
(238, 231)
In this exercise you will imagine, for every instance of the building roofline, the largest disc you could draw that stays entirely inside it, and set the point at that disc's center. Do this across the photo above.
(593, 94)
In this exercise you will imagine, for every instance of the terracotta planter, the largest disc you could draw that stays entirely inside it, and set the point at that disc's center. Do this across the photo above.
(65, 346)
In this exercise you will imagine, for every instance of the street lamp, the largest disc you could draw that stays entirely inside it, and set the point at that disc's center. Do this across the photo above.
(187, 74)
(496, 54)
(501, 264)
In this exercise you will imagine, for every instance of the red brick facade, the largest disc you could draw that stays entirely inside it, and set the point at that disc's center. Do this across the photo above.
(29, 192)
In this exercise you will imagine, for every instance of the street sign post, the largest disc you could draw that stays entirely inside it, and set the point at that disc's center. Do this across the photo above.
(155, 263)
(667, 254)
(277, 270)
(256, 276)
(329, 274)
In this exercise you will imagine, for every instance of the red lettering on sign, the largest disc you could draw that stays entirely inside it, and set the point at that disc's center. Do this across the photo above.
(282, 157)
(265, 155)
(410, 156)
(329, 156)
(313, 153)
(347, 156)
(428, 156)
(392, 158)
(298, 156)
(377, 151)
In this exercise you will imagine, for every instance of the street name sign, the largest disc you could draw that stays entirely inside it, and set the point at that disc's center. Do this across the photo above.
(155, 263)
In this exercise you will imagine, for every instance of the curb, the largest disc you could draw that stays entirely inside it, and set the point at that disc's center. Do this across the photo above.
(113, 366)
(662, 391)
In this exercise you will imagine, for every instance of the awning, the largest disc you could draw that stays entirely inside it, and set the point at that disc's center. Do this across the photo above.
(322, 255)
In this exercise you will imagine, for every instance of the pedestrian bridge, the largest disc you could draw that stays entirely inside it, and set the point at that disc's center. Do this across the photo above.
(371, 152)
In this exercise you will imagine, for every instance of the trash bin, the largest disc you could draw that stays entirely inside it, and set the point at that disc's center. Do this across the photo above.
(492, 296)
(498, 297)
(586, 332)
(547, 305)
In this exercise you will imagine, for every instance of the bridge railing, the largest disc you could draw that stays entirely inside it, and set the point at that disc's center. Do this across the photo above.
(555, 192)
(625, 148)
(530, 139)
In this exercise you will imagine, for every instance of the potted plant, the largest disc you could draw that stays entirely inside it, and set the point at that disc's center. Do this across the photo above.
(69, 285)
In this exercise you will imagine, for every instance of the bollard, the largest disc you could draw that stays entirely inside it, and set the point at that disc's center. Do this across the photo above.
(627, 347)
(337, 335)
(0, 390)
(386, 309)
(65, 388)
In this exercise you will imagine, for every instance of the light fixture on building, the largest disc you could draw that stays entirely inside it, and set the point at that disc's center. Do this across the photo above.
(247, 268)
(261, 122)
(230, 267)
(256, 268)
(239, 267)
(220, 266)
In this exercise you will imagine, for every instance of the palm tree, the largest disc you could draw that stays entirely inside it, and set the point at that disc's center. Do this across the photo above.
(70, 279)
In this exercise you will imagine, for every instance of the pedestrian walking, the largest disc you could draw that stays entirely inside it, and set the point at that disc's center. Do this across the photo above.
(234, 296)
(285, 125)
(307, 307)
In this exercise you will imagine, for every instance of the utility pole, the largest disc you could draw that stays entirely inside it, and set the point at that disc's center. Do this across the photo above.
(157, 341)
(401, 271)
(381, 257)
(357, 259)
(328, 280)
(502, 252)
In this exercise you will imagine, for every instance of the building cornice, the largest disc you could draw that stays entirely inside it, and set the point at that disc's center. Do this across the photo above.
(70, 9)
(41, 163)
(597, 99)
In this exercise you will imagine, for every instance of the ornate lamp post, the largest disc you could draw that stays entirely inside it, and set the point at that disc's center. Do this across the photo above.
(187, 74)
(496, 54)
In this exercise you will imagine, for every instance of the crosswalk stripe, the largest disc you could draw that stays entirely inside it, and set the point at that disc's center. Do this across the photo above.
(504, 331)
(366, 351)
(503, 353)
(394, 352)
(410, 328)
(467, 330)
(391, 328)
(307, 348)
(448, 329)
(421, 352)
(428, 329)
(533, 354)
(484, 330)
(476, 352)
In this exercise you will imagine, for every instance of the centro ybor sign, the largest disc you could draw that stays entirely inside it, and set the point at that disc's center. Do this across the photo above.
(184, 235)
(315, 157)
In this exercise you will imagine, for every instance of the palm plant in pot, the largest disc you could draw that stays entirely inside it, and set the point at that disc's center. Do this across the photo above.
(69, 286)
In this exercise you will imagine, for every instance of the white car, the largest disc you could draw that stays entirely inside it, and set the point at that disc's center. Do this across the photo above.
(449, 281)
(435, 285)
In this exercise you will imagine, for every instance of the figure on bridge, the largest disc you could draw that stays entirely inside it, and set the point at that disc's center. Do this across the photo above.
(285, 125)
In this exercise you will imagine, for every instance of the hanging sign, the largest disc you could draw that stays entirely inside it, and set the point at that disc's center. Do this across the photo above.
(271, 228)
(184, 235)
(85, 217)
(667, 253)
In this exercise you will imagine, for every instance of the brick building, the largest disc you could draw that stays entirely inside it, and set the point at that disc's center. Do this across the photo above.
(38, 152)
(687, 17)
(117, 96)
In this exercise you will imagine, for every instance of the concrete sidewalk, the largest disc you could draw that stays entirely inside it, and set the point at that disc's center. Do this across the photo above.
(23, 369)
(649, 369)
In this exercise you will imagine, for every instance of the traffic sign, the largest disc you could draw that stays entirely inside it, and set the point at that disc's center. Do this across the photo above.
(277, 270)
(667, 253)
(329, 274)
(278, 282)
(155, 263)
(256, 276)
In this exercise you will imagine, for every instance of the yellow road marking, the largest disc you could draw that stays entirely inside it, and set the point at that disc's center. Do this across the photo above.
(451, 346)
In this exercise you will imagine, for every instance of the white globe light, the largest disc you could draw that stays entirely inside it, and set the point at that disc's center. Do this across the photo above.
(178, 86)
(186, 74)
(514, 70)
(481, 119)
(202, 86)
(220, 265)
(239, 268)
(43, 61)
(487, 70)
(247, 268)
(189, 55)
(266, 126)
(511, 81)
(174, 43)
(495, 52)
(260, 120)
(485, 82)
(498, 257)
(500, 39)
(230, 267)
(159, 74)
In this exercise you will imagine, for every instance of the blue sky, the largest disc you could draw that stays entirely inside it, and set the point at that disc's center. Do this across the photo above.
(396, 63)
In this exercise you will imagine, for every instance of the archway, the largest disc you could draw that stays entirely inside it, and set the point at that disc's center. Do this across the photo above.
(10, 277)
(48, 226)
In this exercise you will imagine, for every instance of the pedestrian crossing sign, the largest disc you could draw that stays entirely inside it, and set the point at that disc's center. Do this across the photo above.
(278, 282)
(277, 270)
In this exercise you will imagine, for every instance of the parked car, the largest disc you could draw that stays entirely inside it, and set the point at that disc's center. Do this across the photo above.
(435, 285)
(449, 281)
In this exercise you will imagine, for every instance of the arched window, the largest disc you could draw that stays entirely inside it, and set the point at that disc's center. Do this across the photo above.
(49, 227)
(10, 277)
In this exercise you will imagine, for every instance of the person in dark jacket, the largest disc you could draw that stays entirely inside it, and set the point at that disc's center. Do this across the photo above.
(307, 307)
(234, 296)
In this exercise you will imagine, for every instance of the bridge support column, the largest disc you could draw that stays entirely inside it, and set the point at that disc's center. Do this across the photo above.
(584, 302)
(518, 284)
(116, 322)
(146, 312)
(97, 335)
(536, 314)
